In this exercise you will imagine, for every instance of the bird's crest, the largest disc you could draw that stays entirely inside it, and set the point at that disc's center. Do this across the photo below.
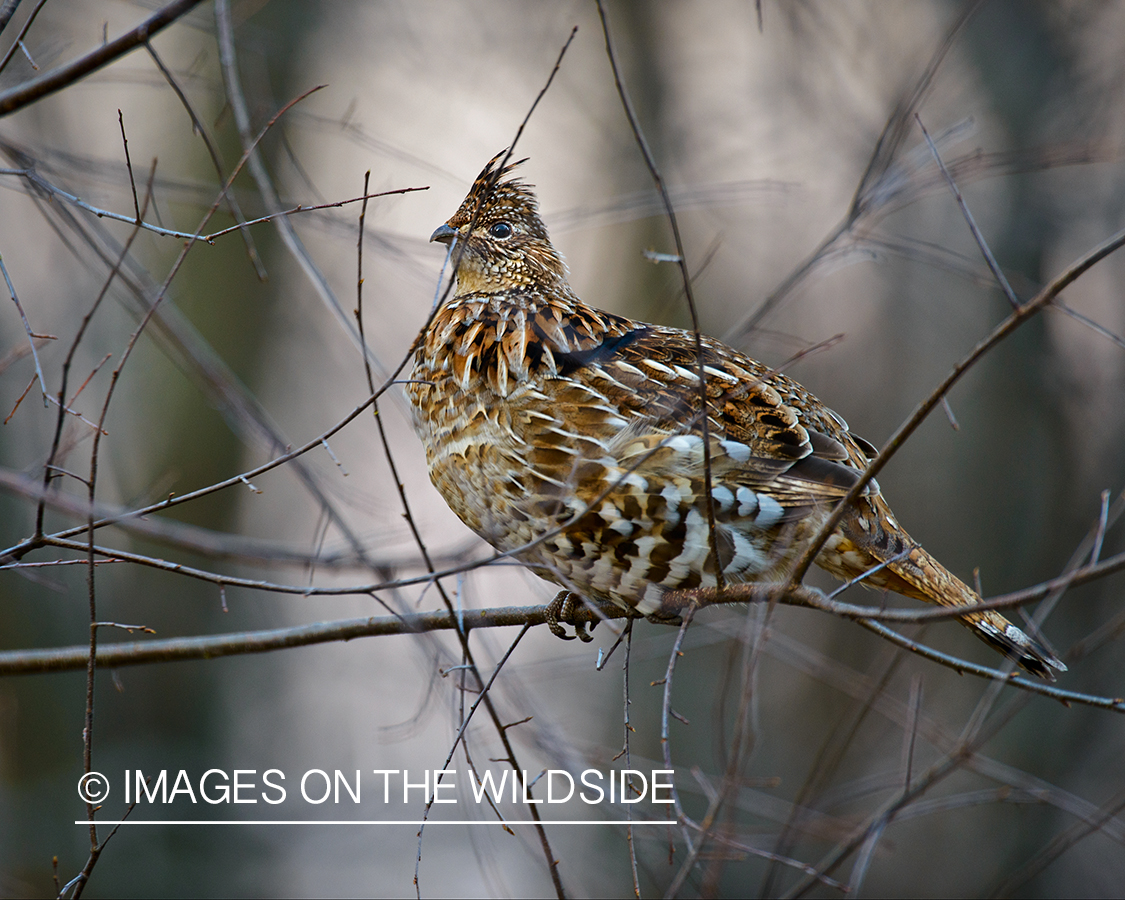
(491, 197)
(490, 175)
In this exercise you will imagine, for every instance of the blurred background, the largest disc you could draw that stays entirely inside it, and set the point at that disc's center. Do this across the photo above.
(764, 120)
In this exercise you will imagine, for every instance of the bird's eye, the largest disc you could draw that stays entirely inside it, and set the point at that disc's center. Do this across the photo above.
(501, 230)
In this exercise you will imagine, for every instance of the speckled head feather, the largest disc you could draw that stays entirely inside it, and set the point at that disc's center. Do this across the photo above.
(506, 246)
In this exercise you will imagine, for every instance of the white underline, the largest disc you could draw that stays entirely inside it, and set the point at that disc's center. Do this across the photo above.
(412, 822)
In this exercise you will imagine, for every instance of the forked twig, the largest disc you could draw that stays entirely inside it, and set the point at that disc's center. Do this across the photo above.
(31, 335)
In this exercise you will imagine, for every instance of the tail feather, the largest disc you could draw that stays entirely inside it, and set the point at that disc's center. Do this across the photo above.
(907, 569)
(1016, 644)
(922, 577)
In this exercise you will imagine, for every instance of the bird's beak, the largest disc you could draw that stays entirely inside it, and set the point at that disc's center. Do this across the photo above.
(445, 235)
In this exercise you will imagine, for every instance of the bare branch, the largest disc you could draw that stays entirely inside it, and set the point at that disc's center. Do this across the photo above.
(57, 79)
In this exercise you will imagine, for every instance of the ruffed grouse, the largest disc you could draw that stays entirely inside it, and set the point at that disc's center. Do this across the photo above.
(543, 416)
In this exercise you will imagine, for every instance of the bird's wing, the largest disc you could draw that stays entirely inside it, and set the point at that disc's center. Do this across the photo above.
(635, 394)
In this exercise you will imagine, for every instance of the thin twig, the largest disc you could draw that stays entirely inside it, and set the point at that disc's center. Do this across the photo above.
(57, 192)
(681, 259)
(206, 542)
(31, 335)
(750, 850)
(1099, 534)
(627, 728)
(73, 349)
(1116, 704)
(129, 166)
(1096, 327)
(910, 733)
(299, 208)
(831, 753)
(18, 42)
(986, 252)
(665, 715)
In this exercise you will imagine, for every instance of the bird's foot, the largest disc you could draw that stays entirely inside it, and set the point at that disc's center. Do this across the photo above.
(562, 609)
(665, 618)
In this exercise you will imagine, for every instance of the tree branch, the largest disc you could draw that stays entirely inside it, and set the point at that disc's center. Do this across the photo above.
(57, 79)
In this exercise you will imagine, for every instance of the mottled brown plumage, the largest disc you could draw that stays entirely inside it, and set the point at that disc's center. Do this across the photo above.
(543, 416)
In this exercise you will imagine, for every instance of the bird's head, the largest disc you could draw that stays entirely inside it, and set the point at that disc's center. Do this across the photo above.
(505, 243)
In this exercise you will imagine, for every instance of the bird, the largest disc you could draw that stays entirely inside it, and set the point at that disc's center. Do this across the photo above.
(572, 438)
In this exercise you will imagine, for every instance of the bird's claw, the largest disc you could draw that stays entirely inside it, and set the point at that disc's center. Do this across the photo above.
(562, 609)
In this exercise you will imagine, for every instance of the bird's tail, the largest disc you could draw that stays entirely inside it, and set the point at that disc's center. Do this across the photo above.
(919, 575)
